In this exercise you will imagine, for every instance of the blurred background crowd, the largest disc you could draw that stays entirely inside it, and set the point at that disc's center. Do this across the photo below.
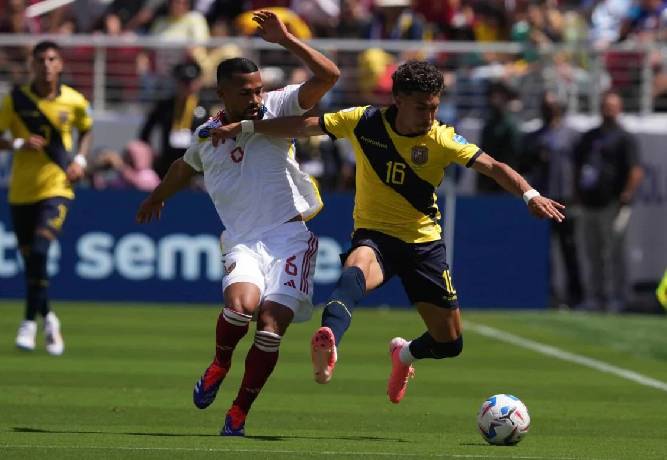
(573, 48)
(517, 68)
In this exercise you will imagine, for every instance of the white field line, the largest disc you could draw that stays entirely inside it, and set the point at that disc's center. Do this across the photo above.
(279, 451)
(558, 353)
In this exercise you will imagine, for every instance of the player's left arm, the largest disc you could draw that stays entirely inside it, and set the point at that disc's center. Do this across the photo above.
(513, 182)
(84, 124)
(325, 72)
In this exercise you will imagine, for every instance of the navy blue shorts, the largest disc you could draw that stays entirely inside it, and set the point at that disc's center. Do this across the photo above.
(47, 214)
(422, 267)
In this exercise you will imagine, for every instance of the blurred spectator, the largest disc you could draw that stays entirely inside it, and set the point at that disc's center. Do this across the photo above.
(541, 26)
(176, 116)
(646, 22)
(87, 14)
(220, 11)
(181, 23)
(607, 175)
(453, 19)
(14, 20)
(131, 169)
(373, 65)
(13, 59)
(547, 162)
(491, 23)
(500, 133)
(354, 18)
(321, 15)
(393, 19)
(606, 19)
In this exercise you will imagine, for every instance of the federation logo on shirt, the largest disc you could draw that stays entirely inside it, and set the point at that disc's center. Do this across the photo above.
(63, 116)
(459, 139)
(229, 268)
(419, 154)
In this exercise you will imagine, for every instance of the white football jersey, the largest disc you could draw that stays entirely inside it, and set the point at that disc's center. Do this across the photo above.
(254, 181)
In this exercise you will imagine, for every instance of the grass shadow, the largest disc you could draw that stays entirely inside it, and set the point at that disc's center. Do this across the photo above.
(339, 438)
(22, 429)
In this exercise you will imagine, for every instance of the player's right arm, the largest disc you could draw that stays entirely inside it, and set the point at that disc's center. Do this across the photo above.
(336, 125)
(177, 178)
(276, 127)
(33, 142)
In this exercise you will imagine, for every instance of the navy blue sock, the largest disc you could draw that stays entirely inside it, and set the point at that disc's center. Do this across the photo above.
(426, 346)
(349, 291)
(37, 279)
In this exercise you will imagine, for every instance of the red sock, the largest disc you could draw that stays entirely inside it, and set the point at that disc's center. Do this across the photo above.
(231, 328)
(259, 365)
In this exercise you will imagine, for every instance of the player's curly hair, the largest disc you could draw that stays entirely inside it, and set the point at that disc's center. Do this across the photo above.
(420, 76)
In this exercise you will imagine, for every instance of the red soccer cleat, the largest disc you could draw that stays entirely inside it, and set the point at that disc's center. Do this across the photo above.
(323, 354)
(400, 373)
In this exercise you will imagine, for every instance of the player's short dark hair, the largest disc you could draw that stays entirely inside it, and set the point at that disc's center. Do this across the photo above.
(231, 66)
(45, 45)
(419, 76)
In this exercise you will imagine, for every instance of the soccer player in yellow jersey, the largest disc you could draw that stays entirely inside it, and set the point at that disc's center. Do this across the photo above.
(401, 154)
(40, 116)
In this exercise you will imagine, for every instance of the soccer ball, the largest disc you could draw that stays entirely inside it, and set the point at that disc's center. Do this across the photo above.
(503, 420)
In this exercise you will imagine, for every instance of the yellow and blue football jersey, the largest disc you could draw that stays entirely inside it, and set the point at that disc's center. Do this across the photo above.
(40, 174)
(397, 176)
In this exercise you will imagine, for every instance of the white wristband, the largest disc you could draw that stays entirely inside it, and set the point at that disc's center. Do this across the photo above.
(530, 194)
(80, 160)
(18, 143)
(247, 127)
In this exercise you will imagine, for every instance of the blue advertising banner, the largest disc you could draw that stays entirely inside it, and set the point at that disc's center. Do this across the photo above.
(501, 257)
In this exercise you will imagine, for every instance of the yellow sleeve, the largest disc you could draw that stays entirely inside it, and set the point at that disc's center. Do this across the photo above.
(82, 116)
(341, 124)
(6, 113)
(456, 147)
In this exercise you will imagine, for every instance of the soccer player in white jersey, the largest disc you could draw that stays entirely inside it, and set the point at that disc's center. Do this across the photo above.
(263, 199)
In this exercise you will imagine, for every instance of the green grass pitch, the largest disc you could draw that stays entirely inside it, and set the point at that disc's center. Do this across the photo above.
(123, 390)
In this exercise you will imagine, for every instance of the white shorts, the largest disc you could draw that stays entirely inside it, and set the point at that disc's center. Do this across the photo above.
(281, 264)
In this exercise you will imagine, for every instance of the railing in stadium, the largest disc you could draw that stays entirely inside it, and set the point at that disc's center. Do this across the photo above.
(119, 73)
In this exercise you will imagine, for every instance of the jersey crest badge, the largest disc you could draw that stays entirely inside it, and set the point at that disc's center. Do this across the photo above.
(459, 139)
(419, 154)
(230, 268)
(63, 116)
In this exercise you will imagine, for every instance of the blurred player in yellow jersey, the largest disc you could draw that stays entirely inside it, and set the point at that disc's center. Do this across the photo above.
(401, 152)
(40, 116)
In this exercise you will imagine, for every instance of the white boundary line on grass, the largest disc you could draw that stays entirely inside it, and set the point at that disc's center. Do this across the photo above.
(279, 451)
(558, 353)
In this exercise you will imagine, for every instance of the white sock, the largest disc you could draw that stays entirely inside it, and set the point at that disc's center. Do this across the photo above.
(405, 356)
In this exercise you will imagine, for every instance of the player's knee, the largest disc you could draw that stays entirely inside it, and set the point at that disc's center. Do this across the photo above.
(267, 341)
(451, 349)
(242, 302)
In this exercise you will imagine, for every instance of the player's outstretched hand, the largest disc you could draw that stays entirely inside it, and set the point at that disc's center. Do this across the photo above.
(149, 209)
(546, 208)
(271, 28)
(75, 172)
(224, 132)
